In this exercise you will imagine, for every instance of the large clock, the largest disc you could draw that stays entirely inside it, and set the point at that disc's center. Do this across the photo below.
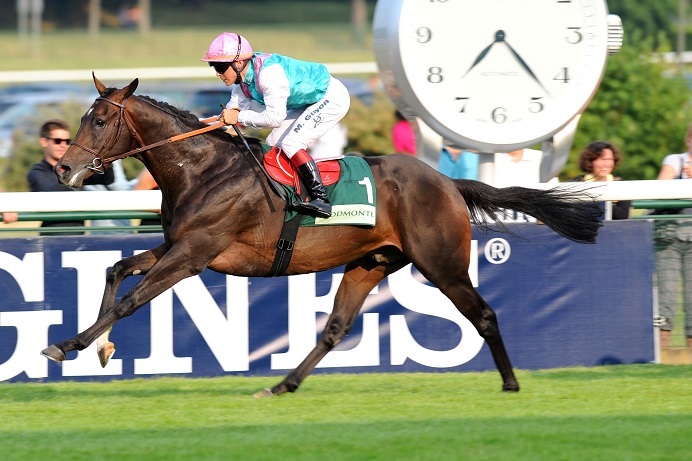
(494, 75)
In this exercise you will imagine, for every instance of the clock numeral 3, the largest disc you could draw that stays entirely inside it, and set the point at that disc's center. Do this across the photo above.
(574, 35)
(435, 75)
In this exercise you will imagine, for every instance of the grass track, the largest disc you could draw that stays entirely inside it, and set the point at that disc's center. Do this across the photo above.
(634, 412)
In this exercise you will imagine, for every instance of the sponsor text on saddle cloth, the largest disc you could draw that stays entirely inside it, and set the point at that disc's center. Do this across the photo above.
(349, 184)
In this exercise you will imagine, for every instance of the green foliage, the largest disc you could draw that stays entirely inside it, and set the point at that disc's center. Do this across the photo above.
(370, 127)
(640, 109)
(651, 20)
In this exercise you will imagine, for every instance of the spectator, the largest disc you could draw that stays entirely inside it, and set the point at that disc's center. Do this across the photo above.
(9, 217)
(145, 181)
(120, 182)
(457, 163)
(55, 139)
(518, 168)
(402, 136)
(673, 252)
(597, 161)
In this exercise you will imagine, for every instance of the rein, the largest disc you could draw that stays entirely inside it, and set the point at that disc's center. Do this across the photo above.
(98, 165)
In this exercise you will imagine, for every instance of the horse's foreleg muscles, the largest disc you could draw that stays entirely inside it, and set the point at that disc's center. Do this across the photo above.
(162, 276)
(135, 265)
(357, 283)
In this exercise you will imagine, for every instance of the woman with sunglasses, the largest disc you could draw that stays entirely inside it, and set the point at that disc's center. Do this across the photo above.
(300, 100)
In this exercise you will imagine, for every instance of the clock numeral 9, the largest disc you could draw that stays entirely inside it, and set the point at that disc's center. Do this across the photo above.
(435, 75)
(424, 34)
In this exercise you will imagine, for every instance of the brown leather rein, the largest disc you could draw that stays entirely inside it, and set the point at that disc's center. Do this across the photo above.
(98, 165)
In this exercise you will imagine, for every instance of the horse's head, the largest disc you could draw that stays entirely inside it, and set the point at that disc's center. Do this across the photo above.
(103, 134)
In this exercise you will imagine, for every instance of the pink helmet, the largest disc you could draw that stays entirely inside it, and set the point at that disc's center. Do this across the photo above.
(228, 47)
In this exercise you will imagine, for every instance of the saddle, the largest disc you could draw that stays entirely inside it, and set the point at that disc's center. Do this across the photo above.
(280, 168)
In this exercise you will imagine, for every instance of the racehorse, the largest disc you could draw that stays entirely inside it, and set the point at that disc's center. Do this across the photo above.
(216, 213)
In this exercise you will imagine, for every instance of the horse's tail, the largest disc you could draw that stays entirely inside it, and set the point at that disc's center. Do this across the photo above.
(570, 211)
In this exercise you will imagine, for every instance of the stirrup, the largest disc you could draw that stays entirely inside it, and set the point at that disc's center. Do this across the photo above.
(316, 207)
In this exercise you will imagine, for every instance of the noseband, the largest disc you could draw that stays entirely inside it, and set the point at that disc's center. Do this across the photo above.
(98, 164)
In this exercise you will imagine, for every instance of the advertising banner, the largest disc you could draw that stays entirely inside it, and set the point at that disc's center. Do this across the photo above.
(558, 303)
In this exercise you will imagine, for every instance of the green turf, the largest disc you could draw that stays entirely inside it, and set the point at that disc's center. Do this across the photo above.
(637, 412)
(328, 43)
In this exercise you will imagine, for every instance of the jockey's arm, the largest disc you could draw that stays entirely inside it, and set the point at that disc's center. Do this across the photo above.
(275, 90)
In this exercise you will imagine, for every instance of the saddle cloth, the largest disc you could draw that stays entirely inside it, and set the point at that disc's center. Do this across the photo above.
(349, 184)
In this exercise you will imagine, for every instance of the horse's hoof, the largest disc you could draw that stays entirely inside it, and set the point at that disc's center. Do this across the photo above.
(105, 353)
(514, 387)
(266, 392)
(53, 353)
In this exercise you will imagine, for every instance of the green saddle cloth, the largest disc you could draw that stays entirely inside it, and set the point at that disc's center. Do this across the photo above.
(353, 197)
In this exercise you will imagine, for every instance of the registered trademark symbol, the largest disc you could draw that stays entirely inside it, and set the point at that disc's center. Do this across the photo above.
(497, 251)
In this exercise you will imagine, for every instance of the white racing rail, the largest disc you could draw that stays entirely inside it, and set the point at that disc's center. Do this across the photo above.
(151, 199)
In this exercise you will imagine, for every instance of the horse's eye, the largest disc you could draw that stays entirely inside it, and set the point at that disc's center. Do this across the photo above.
(100, 122)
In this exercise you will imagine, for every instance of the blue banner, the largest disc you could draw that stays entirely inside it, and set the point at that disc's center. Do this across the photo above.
(558, 303)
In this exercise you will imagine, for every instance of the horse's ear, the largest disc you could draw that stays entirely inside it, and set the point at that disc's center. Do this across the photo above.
(131, 88)
(100, 87)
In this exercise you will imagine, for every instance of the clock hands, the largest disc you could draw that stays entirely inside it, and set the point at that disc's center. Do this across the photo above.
(480, 57)
(500, 37)
(523, 63)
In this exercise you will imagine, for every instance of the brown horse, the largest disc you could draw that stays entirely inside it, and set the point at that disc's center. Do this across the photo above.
(217, 213)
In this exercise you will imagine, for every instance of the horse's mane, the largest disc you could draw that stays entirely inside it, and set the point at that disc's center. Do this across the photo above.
(185, 116)
(188, 118)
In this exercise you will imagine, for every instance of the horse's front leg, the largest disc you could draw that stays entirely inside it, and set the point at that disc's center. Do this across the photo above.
(167, 272)
(135, 265)
(357, 283)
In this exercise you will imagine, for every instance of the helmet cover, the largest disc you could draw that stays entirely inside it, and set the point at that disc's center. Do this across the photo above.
(228, 47)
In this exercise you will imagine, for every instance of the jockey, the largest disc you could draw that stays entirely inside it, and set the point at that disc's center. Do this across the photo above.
(298, 99)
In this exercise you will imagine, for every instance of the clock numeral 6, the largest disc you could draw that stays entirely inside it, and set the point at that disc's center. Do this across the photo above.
(498, 115)
(435, 75)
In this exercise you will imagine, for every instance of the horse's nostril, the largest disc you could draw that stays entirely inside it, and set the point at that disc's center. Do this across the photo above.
(62, 170)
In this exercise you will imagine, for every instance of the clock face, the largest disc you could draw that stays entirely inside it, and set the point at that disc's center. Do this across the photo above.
(493, 75)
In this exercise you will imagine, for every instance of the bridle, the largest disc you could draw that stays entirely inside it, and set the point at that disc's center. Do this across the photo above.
(98, 164)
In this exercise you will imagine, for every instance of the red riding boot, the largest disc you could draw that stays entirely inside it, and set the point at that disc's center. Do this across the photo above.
(307, 170)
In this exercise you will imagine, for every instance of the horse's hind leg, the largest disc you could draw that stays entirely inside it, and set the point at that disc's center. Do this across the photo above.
(489, 329)
(483, 318)
(357, 283)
